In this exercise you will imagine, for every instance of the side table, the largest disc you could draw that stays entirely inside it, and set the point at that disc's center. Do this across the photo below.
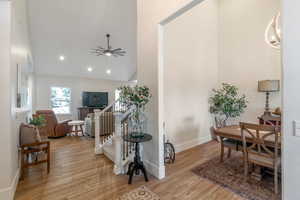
(77, 127)
(137, 165)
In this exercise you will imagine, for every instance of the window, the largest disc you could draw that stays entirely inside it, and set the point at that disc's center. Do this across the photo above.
(117, 95)
(61, 100)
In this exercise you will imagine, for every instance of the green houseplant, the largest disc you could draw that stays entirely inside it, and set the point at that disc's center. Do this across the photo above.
(137, 98)
(226, 103)
(37, 122)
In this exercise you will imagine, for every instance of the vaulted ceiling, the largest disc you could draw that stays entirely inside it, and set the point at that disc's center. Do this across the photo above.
(72, 27)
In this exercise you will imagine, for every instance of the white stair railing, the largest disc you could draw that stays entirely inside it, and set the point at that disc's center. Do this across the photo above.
(124, 150)
(99, 142)
(112, 144)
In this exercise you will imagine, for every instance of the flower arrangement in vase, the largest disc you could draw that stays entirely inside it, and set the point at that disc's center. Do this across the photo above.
(137, 98)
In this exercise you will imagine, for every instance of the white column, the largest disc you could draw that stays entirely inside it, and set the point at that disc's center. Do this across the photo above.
(117, 140)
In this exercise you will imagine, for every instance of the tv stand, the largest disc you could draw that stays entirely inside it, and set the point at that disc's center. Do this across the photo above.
(84, 111)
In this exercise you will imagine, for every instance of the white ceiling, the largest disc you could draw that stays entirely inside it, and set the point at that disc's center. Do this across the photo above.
(73, 27)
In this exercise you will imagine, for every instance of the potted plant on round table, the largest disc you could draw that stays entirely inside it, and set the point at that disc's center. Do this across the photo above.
(226, 103)
(136, 98)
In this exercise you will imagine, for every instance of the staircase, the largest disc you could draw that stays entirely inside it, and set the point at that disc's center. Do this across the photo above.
(111, 124)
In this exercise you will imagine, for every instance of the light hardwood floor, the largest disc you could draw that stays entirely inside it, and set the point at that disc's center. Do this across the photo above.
(77, 174)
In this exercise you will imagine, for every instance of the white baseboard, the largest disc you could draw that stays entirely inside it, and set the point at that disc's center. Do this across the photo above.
(9, 192)
(155, 170)
(159, 171)
(191, 143)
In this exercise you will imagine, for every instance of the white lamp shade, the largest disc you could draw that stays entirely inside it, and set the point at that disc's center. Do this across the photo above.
(269, 86)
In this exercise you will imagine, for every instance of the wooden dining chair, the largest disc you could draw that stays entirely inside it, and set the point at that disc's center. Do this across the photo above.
(230, 144)
(33, 149)
(264, 150)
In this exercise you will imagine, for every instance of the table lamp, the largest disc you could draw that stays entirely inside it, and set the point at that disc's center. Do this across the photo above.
(268, 86)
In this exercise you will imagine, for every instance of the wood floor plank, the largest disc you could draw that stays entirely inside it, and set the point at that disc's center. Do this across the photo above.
(78, 174)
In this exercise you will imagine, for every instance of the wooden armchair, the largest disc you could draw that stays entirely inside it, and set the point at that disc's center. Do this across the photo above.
(53, 128)
(264, 150)
(32, 148)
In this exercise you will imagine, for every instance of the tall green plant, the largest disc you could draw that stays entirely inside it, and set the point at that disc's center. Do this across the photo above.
(226, 103)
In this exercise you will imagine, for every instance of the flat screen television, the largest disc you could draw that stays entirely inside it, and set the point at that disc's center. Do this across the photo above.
(94, 99)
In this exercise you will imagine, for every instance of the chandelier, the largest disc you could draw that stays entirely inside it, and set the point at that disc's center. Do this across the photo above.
(273, 32)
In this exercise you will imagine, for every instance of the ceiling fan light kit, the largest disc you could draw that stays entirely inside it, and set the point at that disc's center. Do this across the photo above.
(109, 51)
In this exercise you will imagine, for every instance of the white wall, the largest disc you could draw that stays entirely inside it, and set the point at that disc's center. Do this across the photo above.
(5, 161)
(216, 41)
(150, 15)
(244, 56)
(190, 73)
(15, 46)
(77, 85)
(291, 98)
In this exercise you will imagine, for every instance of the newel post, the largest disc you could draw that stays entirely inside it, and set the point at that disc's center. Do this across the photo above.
(117, 140)
(98, 144)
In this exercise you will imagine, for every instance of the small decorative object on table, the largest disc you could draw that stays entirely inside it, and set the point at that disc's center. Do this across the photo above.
(136, 97)
(226, 103)
(277, 112)
(137, 165)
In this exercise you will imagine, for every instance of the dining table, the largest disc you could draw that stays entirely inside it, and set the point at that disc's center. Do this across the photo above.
(234, 132)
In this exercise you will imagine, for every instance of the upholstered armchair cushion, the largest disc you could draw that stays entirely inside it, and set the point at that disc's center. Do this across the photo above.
(53, 128)
(62, 128)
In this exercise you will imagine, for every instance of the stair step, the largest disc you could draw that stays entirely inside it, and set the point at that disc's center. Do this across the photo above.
(109, 151)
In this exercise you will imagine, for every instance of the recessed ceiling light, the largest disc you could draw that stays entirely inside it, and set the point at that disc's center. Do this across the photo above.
(61, 57)
(108, 71)
(90, 69)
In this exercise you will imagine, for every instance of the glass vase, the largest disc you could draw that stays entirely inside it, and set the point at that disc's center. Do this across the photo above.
(138, 123)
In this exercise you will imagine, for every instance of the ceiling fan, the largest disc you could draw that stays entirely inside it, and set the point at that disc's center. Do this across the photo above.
(109, 51)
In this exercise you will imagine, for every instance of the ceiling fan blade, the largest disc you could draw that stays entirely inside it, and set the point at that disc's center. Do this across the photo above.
(121, 54)
(97, 52)
(118, 49)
